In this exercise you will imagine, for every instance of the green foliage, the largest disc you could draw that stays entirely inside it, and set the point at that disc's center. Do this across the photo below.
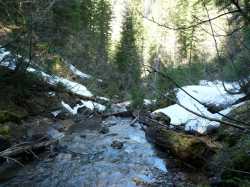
(4, 130)
(187, 39)
(11, 12)
(182, 74)
(233, 161)
(137, 97)
(236, 56)
(66, 16)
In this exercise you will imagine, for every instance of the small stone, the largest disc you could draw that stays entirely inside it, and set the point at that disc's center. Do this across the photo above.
(117, 144)
(104, 130)
(83, 136)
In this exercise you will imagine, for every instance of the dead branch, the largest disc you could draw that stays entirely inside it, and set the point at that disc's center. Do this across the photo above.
(119, 114)
(31, 147)
(190, 26)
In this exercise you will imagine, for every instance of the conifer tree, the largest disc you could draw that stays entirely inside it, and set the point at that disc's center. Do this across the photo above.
(127, 62)
(127, 59)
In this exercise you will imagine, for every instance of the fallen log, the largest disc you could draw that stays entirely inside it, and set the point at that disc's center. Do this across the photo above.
(188, 148)
(17, 150)
(123, 114)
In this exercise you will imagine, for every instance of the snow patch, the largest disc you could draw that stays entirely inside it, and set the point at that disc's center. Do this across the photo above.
(103, 98)
(88, 104)
(93, 105)
(206, 93)
(54, 80)
(55, 113)
(77, 72)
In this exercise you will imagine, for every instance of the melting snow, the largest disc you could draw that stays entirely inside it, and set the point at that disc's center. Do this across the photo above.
(93, 105)
(88, 104)
(103, 98)
(55, 113)
(208, 93)
(78, 72)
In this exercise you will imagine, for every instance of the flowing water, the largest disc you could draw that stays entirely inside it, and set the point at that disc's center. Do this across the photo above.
(86, 158)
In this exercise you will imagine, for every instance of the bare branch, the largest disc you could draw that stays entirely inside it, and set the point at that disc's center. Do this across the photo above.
(190, 26)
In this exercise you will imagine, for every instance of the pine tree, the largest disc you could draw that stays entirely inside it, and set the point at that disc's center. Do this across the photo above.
(127, 59)
(127, 62)
(103, 17)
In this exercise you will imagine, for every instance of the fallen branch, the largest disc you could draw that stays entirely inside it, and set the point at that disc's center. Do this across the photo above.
(119, 114)
(133, 121)
(17, 150)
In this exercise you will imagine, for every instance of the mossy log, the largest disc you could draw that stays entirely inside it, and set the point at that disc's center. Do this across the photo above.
(191, 149)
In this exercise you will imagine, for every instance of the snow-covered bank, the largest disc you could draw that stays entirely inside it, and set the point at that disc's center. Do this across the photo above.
(72, 86)
(209, 93)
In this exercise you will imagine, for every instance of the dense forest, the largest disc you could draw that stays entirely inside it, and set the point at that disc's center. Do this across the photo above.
(124, 93)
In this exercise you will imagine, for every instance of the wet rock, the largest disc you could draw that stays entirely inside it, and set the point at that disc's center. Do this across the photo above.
(58, 126)
(83, 135)
(67, 124)
(214, 108)
(64, 157)
(63, 115)
(33, 135)
(211, 129)
(120, 107)
(161, 117)
(117, 144)
(4, 143)
(104, 130)
(54, 134)
(139, 182)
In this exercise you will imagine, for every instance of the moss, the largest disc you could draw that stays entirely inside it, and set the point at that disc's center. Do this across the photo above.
(233, 161)
(4, 130)
(12, 115)
(187, 147)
